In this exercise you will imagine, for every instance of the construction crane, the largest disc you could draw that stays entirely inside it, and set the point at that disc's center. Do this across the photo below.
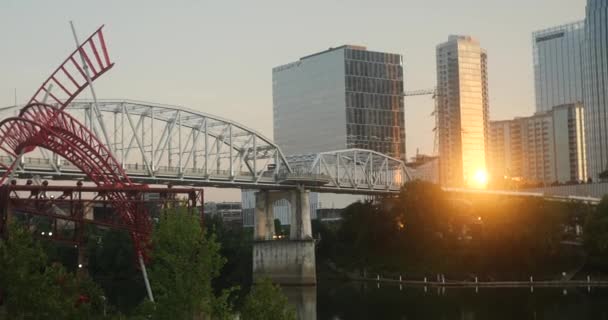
(429, 92)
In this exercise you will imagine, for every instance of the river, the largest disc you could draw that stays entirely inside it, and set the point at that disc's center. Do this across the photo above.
(350, 300)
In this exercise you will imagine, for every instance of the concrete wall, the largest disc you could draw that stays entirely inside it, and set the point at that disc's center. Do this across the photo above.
(285, 262)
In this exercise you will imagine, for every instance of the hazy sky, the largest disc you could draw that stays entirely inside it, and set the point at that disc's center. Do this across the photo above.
(217, 56)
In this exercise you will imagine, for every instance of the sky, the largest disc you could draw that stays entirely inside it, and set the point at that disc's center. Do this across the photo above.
(217, 56)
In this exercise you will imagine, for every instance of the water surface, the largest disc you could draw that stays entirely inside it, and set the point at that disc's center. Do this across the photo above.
(339, 300)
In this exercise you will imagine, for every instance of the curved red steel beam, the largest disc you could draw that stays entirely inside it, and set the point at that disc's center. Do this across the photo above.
(47, 127)
(70, 76)
(71, 79)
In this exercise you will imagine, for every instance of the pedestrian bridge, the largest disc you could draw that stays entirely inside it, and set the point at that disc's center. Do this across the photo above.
(160, 144)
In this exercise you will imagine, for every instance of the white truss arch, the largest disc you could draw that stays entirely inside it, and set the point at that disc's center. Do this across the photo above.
(155, 142)
(158, 144)
(353, 169)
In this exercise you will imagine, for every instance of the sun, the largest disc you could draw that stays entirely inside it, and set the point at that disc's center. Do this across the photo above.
(480, 179)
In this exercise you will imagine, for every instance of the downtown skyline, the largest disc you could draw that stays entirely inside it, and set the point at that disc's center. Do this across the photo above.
(223, 67)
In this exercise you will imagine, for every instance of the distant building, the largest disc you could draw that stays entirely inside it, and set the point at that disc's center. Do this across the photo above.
(558, 67)
(424, 168)
(329, 215)
(463, 111)
(230, 212)
(544, 148)
(595, 85)
(505, 152)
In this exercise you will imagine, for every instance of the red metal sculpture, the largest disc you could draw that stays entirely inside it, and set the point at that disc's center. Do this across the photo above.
(71, 77)
(49, 127)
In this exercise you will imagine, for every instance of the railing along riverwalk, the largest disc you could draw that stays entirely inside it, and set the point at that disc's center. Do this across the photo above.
(487, 284)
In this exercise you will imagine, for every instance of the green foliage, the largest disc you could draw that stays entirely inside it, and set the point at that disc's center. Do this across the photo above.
(184, 262)
(427, 231)
(278, 228)
(267, 302)
(596, 233)
(34, 290)
(236, 248)
(222, 306)
(112, 265)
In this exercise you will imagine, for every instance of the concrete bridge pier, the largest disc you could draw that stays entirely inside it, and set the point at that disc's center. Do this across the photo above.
(285, 262)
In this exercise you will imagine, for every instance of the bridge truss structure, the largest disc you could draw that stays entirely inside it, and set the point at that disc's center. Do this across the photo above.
(357, 171)
(124, 145)
(165, 144)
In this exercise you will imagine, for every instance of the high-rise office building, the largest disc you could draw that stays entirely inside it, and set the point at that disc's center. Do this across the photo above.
(341, 98)
(345, 97)
(545, 148)
(558, 68)
(463, 111)
(595, 70)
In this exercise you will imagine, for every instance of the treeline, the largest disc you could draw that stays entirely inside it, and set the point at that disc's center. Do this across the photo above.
(189, 276)
(425, 232)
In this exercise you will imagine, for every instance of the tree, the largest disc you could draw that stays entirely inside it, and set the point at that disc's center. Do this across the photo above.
(266, 302)
(31, 289)
(426, 230)
(112, 265)
(236, 248)
(184, 262)
(596, 233)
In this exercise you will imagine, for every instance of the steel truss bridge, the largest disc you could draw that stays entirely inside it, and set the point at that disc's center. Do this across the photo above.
(120, 144)
(160, 144)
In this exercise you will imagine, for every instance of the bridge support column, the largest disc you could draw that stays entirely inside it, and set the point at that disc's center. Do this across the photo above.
(285, 262)
(264, 217)
(300, 228)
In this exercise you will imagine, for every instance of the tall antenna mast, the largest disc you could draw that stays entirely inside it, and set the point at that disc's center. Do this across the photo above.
(87, 74)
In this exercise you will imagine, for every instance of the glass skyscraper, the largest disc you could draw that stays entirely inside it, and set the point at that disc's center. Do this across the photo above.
(341, 98)
(345, 97)
(558, 69)
(595, 86)
(463, 111)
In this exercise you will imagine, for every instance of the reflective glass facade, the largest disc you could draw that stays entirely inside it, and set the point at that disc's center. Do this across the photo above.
(346, 97)
(595, 68)
(374, 102)
(558, 71)
(462, 95)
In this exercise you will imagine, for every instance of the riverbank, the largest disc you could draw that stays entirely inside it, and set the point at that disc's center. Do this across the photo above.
(331, 271)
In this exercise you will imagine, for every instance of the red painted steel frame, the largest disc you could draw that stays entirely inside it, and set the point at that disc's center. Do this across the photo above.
(71, 79)
(44, 126)
(77, 81)
(41, 201)
(48, 127)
